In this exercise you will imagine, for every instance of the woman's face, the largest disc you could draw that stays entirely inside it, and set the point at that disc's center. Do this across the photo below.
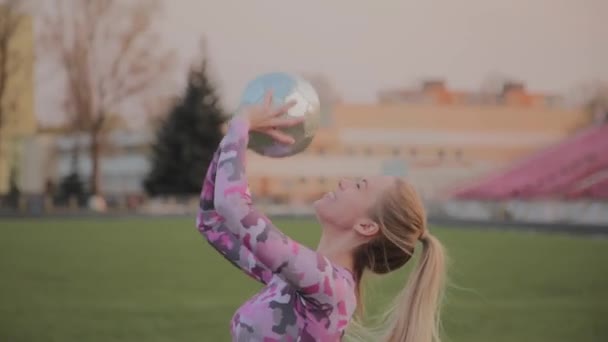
(351, 201)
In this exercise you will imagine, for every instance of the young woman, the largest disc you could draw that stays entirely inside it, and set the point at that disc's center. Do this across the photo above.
(369, 225)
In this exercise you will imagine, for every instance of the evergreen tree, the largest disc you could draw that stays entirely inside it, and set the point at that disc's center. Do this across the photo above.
(187, 139)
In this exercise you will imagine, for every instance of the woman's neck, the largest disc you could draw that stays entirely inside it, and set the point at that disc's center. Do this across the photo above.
(337, 250)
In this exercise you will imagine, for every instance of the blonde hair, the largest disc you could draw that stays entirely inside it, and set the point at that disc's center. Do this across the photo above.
(415, 314)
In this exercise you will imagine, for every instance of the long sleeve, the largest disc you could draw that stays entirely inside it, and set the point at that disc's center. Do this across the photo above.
(210, 224)
(311, 273)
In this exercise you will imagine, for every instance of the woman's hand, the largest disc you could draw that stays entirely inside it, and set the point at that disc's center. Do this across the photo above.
(267, 119)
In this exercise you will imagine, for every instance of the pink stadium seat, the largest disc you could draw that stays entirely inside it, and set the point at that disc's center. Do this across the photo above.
(594, 187)
(550, 173)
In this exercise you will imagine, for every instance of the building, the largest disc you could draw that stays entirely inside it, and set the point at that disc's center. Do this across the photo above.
(19, 119)
(124, 162)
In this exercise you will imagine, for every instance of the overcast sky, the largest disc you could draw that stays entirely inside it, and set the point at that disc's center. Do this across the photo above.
(364, 45)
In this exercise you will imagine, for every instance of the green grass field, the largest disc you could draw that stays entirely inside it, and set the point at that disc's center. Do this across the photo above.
(158, 280)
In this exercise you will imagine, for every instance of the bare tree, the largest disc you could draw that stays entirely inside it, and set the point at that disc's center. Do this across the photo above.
(110, 55)
(12, 60)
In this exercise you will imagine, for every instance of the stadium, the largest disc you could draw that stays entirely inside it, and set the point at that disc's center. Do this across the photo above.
(515, 183)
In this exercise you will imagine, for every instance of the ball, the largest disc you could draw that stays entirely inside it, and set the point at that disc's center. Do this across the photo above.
(285, 87)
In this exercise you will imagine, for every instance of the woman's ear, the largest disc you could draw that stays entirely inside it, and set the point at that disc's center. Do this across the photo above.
(366, 227)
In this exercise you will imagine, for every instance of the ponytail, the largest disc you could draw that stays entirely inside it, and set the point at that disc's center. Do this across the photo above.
(415, 317)
(415, 313)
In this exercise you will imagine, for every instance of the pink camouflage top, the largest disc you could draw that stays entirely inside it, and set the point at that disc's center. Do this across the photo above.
(305, 297)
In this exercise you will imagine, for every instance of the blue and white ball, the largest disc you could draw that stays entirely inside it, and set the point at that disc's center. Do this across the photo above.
(285, 87)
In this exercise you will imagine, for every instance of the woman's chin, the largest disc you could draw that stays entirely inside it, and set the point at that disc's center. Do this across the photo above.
(322, 202)
(322, 208)
(316, 205)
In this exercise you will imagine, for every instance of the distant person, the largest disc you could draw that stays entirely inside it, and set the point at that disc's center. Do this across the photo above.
(369, 225)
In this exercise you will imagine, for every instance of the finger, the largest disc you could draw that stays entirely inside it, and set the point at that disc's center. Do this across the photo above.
(268, 99)
(286, 107)
(286, 121)
(280, 136)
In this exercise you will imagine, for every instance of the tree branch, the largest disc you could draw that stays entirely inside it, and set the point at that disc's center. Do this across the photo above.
(99, 28)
